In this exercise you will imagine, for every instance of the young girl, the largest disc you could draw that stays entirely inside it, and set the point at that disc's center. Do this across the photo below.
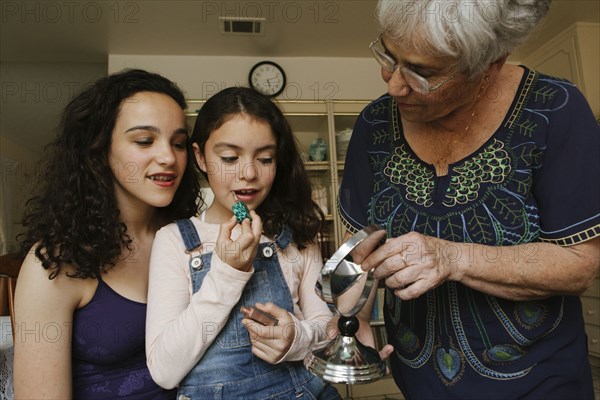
(204, 270)
(112, 180)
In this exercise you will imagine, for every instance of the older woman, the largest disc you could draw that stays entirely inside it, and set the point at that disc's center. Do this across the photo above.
(484, 175)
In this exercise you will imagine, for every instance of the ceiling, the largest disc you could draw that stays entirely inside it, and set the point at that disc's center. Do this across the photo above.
(87, 31)
(68, 34)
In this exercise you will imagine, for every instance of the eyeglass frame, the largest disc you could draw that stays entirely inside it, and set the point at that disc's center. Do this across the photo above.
(392, 65)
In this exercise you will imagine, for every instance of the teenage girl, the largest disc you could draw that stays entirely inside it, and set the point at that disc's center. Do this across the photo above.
(115, 174)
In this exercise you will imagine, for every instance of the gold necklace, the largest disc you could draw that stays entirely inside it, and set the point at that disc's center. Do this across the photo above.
(443, 164)
(486, 79)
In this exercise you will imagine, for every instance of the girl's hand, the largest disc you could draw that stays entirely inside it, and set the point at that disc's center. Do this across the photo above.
(271, 343)
(239, 253)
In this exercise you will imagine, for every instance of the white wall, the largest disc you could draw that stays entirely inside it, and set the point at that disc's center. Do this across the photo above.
(34, 95)
(309, 78)
(32, 98)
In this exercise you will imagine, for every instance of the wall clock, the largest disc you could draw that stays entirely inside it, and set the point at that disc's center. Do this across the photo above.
(268, 78)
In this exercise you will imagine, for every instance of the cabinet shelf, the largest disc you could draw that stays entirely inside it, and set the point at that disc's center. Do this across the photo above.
(317, 165)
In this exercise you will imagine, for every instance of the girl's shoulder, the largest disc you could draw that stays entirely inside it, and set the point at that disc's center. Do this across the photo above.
(207, 232)
(305, 257)
(35, 287)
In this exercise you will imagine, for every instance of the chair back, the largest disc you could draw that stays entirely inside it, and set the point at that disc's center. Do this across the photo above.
(10, 264)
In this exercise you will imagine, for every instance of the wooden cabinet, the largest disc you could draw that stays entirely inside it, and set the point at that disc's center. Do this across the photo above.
(310, 122)
(314, 120)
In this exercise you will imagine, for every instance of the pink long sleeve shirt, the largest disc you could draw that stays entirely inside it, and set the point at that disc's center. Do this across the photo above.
(181, 325)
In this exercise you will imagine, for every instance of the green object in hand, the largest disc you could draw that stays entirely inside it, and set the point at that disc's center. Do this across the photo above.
(241, 212)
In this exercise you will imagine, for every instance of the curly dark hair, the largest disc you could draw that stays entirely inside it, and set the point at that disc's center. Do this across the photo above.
(73, 217)
(289, 202)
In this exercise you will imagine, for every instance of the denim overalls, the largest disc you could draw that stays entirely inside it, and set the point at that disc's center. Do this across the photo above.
(228, 369)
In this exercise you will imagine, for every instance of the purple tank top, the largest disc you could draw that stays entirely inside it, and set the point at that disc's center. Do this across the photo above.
(109, 357)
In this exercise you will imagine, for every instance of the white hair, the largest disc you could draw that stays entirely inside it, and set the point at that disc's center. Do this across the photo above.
(474, 32)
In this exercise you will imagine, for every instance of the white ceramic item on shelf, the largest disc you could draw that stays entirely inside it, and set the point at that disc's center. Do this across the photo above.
(342, 138)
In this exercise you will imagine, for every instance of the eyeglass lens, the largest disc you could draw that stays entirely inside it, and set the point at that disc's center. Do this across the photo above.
(414, 80)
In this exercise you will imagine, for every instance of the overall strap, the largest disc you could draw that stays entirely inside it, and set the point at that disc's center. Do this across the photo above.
(284, 238)
(191, 240)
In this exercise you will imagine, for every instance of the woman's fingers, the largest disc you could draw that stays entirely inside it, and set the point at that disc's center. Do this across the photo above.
(394, 263)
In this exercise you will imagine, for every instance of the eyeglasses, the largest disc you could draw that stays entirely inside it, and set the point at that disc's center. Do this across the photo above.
(414, 80)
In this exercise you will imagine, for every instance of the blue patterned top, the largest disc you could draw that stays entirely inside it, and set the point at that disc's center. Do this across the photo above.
(535, 179)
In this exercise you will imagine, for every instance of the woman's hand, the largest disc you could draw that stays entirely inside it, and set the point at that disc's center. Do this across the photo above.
(412, 264)
(239, 253)
(271, 343)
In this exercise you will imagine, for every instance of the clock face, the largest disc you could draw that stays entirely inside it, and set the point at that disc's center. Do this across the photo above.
(267, 78)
